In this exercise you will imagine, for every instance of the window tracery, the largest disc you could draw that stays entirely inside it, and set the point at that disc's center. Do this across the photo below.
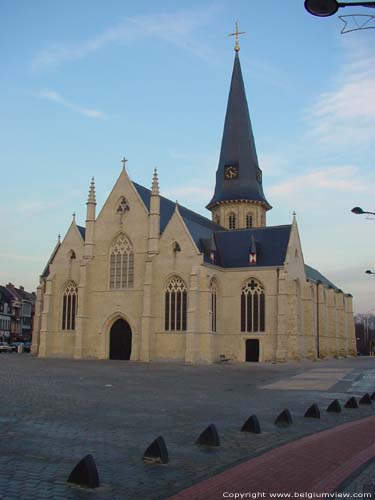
(70, 304)
(175, 305)
(252, 307)
(121, 273)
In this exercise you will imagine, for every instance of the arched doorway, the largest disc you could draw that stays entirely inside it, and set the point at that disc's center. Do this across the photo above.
(120, 340)
(252, 350)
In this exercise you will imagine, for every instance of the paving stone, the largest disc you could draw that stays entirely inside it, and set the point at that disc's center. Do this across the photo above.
(58, 410)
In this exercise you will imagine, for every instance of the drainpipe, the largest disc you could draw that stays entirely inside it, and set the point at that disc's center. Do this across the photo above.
(317, 320)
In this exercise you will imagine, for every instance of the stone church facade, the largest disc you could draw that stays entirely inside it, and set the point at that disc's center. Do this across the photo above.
(147, 279)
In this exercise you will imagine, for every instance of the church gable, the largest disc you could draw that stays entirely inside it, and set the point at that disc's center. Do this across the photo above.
(70, 250)
(294, 263)
(123, 211)
(176, 239)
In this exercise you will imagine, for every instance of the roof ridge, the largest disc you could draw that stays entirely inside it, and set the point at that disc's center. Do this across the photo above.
(196, 214)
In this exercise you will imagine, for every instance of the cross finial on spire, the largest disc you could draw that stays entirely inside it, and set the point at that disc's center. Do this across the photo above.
(123, 161)
(59, 238)
(294, 213)
(235, 34)
(74, 216)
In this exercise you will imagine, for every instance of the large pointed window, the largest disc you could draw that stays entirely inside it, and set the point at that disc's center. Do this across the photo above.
(121, 273)
(175, 305)
(213, 305)
(252, 307)
(70, 304)
(232, 220)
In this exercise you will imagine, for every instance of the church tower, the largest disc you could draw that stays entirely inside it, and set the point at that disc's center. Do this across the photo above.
(238, 201)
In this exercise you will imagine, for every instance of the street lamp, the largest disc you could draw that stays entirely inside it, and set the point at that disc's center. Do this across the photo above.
(325, 8)
(369, 272)
(360, 211)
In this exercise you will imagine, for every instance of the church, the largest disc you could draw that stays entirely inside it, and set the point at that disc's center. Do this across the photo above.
(150, 280)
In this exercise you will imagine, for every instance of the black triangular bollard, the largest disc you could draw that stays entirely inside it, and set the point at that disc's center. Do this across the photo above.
(373, 396)
(365, 400)
(313, 411)
(251, 425)
(351, 403)
(85, 473)
(209, 437)
(157, 452)
(334, 407)
(284, 419)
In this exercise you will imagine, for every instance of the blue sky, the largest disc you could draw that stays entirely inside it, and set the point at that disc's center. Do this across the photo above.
(85, 83)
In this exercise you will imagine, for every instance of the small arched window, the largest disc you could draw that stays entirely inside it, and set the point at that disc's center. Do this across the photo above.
(213, 305)
(175, 305)
(249, 220)
(232, 220)
(252, 307)
(121, 273)
(70, 304)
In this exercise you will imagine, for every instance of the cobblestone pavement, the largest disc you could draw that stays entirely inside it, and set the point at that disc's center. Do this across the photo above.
(55, 411)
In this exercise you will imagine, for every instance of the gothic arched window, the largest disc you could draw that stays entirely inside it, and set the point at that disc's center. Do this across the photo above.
(249, 221)
(121, 273)
(213, 305)
(232, 220)
(252, 307)
(175, 304)
(70, 303)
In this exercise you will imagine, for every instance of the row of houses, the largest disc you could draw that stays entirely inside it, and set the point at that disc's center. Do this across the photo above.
(16, 313)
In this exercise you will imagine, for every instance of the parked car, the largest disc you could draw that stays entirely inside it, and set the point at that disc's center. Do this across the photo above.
(5, 347)
(27, 347)
(14, 346)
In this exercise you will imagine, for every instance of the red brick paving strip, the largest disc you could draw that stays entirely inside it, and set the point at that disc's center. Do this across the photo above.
(318, 463)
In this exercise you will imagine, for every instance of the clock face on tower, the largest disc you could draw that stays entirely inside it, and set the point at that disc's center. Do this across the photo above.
(231, 172)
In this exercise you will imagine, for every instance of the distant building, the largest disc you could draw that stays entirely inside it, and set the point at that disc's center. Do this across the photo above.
(22, 313)
(6, 299)
(148, 279)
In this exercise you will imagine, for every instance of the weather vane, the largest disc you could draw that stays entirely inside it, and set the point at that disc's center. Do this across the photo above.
(235, 34)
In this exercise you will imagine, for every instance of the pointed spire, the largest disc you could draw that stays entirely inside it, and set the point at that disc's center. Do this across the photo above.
(238, 176)
(92, 196)
(155, 183)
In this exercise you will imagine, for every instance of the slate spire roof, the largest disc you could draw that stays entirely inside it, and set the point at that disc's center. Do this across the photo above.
(238, 148)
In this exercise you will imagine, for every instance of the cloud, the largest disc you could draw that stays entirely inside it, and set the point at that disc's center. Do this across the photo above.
(341, 179)
(54, 96)
(174, 28)
(345, 115)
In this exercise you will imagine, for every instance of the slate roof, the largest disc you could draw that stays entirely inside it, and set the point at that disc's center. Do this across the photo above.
(231, 247)
(5, 294)
(82, 230)
(271, 244)
(198, 226)
(314, 275)
(238, 148)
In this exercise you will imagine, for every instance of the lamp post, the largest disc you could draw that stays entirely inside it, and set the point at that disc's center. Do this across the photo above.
(360, 211)
(325, 8)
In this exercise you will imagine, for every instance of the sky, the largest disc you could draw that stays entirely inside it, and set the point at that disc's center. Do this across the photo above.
(84, 84)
